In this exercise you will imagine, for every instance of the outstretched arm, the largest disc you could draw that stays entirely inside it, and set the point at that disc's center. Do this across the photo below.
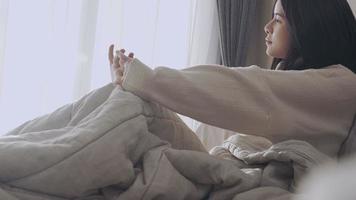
(278, 105)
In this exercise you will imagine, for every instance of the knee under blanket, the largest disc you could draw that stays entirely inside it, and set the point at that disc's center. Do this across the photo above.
(112, 145)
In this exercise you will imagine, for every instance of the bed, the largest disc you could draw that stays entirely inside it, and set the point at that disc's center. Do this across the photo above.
(113, 145)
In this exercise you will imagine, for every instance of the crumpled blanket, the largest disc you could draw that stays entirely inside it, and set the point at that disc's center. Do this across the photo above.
(282, 166)
(112, 145)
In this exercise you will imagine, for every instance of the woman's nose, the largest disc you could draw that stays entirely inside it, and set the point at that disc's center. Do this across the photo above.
(267, 28)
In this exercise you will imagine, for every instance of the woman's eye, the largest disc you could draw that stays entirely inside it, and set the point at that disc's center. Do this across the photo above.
(277, 20)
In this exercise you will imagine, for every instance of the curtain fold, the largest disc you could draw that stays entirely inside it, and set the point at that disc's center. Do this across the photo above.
(235, 19)
(204, 34)
(203, 40)
(88, 23)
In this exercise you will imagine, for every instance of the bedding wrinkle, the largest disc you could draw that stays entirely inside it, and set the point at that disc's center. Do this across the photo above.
(119, 146)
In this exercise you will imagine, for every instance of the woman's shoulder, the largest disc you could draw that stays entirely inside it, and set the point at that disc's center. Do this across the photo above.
(339, 67)
(337, 70)
(330, 70)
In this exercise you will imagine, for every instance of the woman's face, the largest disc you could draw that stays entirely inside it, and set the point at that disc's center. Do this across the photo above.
(278, 37)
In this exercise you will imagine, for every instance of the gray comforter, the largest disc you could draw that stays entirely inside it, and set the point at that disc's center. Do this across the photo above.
(112, 145)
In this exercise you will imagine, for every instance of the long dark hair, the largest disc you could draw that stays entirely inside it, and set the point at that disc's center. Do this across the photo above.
(323, 33)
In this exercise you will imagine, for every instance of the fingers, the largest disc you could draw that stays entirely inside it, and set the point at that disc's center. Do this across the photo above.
(119, 71)
(118, 61)
(120, 51)
(123, 59)
(111, 54)
(112, 57)
(119, 76)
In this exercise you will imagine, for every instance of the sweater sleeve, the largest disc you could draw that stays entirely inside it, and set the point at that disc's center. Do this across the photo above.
(248, 100)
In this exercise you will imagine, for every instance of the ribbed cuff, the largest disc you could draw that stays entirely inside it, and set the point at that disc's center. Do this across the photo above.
(136, 74)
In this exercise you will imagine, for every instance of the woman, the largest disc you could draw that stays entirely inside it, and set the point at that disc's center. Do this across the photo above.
(310, 95)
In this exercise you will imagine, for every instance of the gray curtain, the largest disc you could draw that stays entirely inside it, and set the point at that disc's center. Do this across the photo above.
(235, 23)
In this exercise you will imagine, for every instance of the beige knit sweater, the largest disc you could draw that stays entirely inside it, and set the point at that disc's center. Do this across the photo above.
(317, 106)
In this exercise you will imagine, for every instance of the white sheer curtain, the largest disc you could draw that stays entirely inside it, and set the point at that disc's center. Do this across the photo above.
(203, 40)
(52, 52)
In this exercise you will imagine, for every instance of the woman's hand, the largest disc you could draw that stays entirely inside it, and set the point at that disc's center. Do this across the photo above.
(118, 62)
